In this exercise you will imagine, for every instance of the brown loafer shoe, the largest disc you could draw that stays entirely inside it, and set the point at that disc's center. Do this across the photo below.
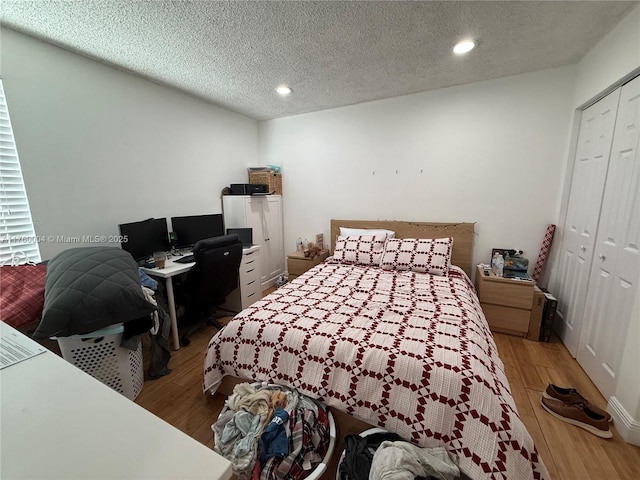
(578, 414)
(571, 395)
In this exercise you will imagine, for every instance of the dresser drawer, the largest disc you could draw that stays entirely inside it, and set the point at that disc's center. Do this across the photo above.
(251, 258)
(249, 273)
(251, 293)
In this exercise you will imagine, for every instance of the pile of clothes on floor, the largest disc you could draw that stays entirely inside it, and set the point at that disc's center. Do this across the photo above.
(381, 455)
(271, 432)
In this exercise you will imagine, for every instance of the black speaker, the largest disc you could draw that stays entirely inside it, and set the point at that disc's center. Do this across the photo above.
(240, 189)
(258, 188)
(248, 188)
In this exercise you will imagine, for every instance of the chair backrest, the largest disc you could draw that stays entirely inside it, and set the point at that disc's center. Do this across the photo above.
(215, 273)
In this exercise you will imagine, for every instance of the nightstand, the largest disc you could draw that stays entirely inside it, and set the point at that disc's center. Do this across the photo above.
(297, 263)
(506, 302)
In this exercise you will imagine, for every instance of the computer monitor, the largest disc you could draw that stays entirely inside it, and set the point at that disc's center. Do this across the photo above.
(245, 235)
(191, 229)
(145, 237)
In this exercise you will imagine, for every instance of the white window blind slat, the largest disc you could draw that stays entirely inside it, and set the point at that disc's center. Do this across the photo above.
(17, 235)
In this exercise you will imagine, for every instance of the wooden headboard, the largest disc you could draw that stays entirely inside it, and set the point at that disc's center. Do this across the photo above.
(462, 234)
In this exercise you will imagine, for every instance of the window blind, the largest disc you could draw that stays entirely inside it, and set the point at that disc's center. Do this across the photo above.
(17, 236)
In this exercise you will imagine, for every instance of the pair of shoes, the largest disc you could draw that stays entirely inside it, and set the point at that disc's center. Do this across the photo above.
(571, 395)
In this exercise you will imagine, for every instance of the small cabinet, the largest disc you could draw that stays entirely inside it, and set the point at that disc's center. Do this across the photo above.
(506, 302)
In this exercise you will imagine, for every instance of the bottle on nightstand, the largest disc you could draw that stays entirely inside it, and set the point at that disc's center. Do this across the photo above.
(500, 265)
(494, 263)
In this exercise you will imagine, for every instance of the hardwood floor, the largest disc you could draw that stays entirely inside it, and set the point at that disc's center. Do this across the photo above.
(569, 452)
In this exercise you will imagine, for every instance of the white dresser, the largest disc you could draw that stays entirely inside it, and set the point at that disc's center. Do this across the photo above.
(249, 286)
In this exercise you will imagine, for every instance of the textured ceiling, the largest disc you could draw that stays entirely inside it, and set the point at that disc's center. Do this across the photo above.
(332, 54)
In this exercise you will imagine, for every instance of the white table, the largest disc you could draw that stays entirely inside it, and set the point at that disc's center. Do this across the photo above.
(60, 423)
(170, 270)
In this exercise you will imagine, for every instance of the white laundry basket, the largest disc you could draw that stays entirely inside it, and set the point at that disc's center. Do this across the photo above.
(100, 355)
(317, 472)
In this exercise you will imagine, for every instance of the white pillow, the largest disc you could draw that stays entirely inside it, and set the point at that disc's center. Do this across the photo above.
(360, 250)
(418, 255)
(355, 232)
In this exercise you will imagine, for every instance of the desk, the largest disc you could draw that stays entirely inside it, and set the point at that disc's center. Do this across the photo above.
(170, 270)
(248, 290)
(58, 422)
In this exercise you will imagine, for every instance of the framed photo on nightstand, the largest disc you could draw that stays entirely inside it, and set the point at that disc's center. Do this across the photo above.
(501, 251)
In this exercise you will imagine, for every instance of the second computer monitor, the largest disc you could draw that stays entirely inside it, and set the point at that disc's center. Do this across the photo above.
(143, 238)
(191, 229)
(245, 235)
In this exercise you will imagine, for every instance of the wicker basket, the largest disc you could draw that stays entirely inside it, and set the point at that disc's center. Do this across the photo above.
(273, 180)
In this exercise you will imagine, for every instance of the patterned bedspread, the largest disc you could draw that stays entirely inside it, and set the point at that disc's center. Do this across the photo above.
(409, 352)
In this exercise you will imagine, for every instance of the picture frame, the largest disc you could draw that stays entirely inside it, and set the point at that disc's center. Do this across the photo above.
(502, 251)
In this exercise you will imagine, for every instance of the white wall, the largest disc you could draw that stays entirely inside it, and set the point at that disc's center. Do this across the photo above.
(489, 152)
(99, 146)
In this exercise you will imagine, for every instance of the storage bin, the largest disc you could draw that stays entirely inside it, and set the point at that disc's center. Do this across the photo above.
(100, 355)
(267, 177)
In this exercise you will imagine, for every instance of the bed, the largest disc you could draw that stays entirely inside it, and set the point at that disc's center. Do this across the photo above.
(407, 351)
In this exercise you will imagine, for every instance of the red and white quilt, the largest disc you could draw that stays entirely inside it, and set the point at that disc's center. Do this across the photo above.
(409, 352)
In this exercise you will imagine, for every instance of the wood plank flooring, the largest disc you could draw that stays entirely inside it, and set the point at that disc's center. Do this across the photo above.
(569, 452)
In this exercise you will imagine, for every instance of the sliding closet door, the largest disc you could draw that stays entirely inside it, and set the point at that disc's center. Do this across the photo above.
(613, 284)
(585, 198)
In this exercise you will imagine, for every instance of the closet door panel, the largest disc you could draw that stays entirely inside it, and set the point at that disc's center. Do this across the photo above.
(616, 265)
(589, 174)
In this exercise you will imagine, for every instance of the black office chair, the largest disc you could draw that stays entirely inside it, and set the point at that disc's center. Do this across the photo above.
(210, 280)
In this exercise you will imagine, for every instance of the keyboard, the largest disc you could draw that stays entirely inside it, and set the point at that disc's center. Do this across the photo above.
(186, 259)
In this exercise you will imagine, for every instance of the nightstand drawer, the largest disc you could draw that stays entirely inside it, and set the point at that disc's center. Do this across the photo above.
(511, 320)
(510, 293)
(298, 264)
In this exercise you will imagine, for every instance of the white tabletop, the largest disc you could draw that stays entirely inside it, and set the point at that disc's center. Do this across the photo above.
(171, 268)
(57, 422)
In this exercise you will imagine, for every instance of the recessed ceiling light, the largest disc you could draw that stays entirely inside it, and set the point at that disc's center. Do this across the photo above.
(283, 90)
(464, 47)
